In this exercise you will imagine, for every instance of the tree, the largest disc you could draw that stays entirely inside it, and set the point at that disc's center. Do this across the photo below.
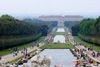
(44, 30)
(75, 30)
(97, 25)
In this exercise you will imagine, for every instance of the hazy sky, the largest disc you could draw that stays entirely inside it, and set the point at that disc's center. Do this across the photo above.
(50, 7)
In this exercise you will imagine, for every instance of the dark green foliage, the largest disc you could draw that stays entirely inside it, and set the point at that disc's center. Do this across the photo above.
(75, 30)
(48, 24)
(15, 32)
(97, 25)
(11, 26)
(12, 41)
(70, 24)
(90, 30)
(74, 26)
(90, 27)
(44, 29)
(87, 27)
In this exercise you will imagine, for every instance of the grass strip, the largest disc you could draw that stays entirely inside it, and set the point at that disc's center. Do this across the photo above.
(89, 45)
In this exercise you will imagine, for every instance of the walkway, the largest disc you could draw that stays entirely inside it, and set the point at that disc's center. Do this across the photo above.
(11, 57)
(89, 53)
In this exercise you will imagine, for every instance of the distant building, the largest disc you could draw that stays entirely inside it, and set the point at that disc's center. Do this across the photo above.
(61, 18)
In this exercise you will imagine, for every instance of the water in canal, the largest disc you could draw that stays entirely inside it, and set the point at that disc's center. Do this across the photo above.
(60, 57)
(60, 30)
(59, 39)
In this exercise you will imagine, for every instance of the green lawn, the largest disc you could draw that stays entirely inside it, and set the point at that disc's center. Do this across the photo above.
(60, 33)
(57, 46)
(20, 47)
(94, 47)
(40, 39)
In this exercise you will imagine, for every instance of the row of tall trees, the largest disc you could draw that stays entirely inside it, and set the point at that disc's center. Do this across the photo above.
(11, 26)
(70, 24)
(45, 24)
(90, 27)
(88, 30)
(75, 29)
(15, 32)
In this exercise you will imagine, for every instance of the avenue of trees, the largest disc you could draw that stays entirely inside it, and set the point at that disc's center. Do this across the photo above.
(73, 25)
(15, 32)
(88, 30)
(43, 24)
(75, 29)
(11, 26)
(70, 24)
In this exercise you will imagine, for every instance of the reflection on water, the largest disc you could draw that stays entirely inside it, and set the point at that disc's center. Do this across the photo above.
(62, 57)
(60, 30)
(59, 39)
(51, 58)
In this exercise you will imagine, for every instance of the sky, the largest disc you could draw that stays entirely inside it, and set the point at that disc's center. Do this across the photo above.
(22, 8)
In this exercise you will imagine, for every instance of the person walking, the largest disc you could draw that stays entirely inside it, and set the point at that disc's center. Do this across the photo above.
(77, 64)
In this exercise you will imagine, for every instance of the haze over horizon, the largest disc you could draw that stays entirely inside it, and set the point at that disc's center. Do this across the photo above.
(34, 8)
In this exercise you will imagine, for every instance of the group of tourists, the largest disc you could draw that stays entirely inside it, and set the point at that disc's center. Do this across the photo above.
(83, 59)
(16, 51)
(95, 54)
(25, 52)
(48, 39)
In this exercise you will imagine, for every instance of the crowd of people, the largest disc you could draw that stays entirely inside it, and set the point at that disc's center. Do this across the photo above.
(24, 52)
(83, 59)
(48, 39)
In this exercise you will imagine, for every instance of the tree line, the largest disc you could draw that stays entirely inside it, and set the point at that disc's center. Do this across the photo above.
(15, 32)
(11, 26)
(88, 29)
